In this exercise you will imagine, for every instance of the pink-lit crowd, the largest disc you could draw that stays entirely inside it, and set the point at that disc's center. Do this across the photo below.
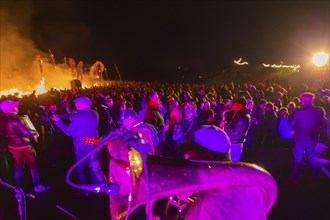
(182, 108)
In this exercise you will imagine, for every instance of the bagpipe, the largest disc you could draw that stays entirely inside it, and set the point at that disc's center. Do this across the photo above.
(28, 123)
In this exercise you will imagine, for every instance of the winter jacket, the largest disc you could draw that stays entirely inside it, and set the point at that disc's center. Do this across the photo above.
(307, 122)
(238, 127)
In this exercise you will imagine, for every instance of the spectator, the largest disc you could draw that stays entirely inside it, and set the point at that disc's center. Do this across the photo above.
(188, 125)
(269, 125)
(106, 122)
(237, 198)
(59, 146)
(250, 145)
(306, 124)
(237, 128)
(130, 122)
(226, 113)
(175, 130)
(119, 108)
(154, 117)
(284, 129)
(291, 106)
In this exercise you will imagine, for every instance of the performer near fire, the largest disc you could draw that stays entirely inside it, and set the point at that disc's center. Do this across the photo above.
(84, 124)
(19, 134)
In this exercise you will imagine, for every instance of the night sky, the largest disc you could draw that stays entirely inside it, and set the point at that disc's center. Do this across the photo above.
(150, 40)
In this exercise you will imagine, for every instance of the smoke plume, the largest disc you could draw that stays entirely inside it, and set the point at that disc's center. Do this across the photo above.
(20, 59)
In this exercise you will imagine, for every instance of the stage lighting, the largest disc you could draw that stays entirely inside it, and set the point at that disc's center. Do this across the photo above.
(320, 59)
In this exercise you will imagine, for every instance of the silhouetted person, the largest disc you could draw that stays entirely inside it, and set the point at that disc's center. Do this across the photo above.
(306, 123)
(237, 128)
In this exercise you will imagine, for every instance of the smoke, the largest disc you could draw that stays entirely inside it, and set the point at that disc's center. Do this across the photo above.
(19, 57)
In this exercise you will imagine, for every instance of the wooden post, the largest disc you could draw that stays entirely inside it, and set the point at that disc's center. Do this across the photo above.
(118, 72)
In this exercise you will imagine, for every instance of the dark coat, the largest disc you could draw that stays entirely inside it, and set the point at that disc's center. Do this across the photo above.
(154, 117)
(269, 124)
(238, 127)
(307, 122)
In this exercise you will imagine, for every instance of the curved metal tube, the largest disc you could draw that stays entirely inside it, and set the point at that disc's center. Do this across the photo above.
(169, 176)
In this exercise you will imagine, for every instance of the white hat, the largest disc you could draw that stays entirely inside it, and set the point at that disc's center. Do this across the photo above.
(83, 100)
(212, 138)
(307, 96)
(7, 105)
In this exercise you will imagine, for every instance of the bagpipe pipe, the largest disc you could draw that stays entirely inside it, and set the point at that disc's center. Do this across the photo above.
(104, 187)
(28, 123)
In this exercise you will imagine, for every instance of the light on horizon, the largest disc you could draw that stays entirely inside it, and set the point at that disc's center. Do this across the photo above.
(240, 63)
(320, 59)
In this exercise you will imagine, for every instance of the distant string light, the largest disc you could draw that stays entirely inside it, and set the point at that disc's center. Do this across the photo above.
(292, 66)
(238, 62)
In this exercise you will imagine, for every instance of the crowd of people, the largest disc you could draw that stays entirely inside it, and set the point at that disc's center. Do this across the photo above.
(252, 116)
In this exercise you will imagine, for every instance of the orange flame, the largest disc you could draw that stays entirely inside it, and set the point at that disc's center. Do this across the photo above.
(41, 88)
(14, 91)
